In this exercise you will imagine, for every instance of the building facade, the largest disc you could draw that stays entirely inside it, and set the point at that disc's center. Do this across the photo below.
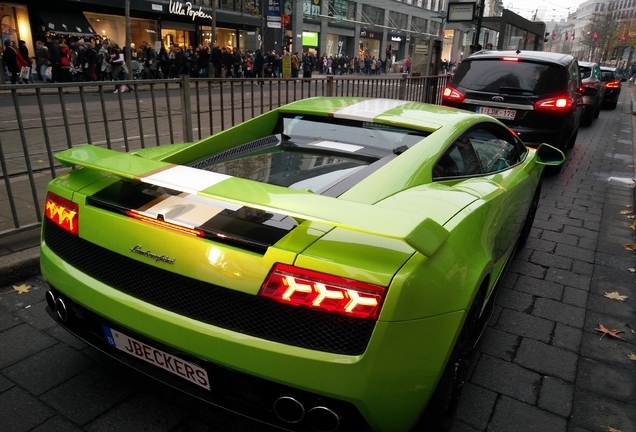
(333, 27)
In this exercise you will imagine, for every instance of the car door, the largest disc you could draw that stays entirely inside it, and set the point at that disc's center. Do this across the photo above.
(487, 160)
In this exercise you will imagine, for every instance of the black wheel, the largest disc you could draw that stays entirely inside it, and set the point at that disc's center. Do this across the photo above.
(613, 104)
(597, 111)
(439, 412)
(588, 116)
(572, 140)
(527, 224)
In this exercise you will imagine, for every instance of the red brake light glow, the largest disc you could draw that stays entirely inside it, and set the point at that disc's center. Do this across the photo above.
(192, 231)
(513, 59)
(613, 84)
(324, 292)
(62, 212)
(553, 104)
(452, 94)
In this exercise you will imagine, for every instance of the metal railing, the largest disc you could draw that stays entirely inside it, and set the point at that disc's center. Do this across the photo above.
(48, 118)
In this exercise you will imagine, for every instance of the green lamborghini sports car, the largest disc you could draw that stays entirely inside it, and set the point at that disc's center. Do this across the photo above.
(325, 266)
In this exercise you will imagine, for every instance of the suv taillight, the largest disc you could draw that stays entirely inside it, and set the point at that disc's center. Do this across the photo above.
(320, 291)
(613, 84)
(554, 104)
(452, 94)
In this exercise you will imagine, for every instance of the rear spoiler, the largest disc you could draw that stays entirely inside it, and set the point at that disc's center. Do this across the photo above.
(424, 235)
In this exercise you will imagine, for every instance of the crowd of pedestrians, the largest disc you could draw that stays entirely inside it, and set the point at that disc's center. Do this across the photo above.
(367, 65)
(61, 60)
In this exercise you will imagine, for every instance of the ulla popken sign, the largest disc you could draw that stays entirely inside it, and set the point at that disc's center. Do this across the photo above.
(186, 9)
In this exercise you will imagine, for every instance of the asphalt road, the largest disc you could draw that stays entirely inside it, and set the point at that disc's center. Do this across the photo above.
(540, 365)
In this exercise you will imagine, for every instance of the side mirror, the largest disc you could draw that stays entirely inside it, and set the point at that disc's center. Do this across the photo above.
(548, 155)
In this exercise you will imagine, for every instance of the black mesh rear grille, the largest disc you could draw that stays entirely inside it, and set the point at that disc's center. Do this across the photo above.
(232, 310)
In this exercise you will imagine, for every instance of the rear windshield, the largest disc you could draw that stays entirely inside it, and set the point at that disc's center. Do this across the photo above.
(608, 75)
(312, 152)
(499, 76)
(585, 71)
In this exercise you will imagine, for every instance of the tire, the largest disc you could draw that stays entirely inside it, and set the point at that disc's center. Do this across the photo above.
(597, 111)
(572, 140)
(438, 414)
(588, 116)
(612, 106)
(529, 221)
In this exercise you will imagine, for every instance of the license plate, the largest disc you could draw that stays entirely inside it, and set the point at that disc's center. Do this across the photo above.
(498, 113)
(186, 370)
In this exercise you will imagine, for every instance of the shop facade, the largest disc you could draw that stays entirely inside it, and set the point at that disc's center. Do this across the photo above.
(177, 22)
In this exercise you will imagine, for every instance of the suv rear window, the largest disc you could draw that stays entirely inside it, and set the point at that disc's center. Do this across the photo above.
(498, 76)
(585, 71)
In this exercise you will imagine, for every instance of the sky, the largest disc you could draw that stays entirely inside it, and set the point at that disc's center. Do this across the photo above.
(551, 9)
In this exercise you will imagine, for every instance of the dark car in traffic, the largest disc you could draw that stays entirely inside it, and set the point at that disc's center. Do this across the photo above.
(612, 82)
(537, 94)
(593, 91)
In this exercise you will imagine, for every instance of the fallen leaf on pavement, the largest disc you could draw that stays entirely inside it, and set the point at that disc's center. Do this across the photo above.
(613, 333)
(632, 356)
(611, 429)
(633, 226)
(627, 212)
(616, 296)
(630, 246)
(24, 288)
(631, 270)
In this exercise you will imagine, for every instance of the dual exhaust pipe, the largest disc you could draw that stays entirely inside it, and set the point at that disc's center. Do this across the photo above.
(319, 418)
(58, 305)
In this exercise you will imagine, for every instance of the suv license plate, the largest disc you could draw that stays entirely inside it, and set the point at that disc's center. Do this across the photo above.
(498, 113)
(186, 370)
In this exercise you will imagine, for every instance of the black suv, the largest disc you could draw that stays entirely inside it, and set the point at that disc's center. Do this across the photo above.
(537, 94)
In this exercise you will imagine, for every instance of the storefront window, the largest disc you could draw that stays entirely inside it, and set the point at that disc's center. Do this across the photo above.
(183, 38)
(14, 21)
(369, 48)
(113, 27)
(336, 45)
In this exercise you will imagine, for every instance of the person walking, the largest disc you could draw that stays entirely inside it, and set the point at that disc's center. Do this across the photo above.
(10, 59)
(55, 58)
(295, 65)
(24, 52)
(308, 65)
(42, 61)
(259, 64)
(90, 62)
(216, 58)
(103, 57)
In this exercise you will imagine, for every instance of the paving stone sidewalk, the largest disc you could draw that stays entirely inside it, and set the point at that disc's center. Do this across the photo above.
(541, 365)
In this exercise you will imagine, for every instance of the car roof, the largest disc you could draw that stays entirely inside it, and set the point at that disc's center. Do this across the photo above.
(608, 68)
(587, 64)
(542, 56)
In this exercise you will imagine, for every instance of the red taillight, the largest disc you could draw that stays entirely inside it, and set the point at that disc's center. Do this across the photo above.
(321, 291)
(452, 94)
(62, 212)
(590, 84)
(613, 84)
(553, 104)
(513, 59)
(163, 223)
